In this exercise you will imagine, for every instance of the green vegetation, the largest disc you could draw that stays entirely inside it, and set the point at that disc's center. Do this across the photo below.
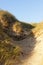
(9, 25)
(7, 48)
(27, 26)
(6, 19)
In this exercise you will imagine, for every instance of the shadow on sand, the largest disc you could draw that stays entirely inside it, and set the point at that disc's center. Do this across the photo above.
(27, 46)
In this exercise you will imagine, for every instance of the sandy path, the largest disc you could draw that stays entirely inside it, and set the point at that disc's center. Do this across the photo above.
(32, 48)
(37, 57)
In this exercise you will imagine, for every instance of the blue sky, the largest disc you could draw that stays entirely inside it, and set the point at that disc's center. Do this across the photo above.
(24, 10)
